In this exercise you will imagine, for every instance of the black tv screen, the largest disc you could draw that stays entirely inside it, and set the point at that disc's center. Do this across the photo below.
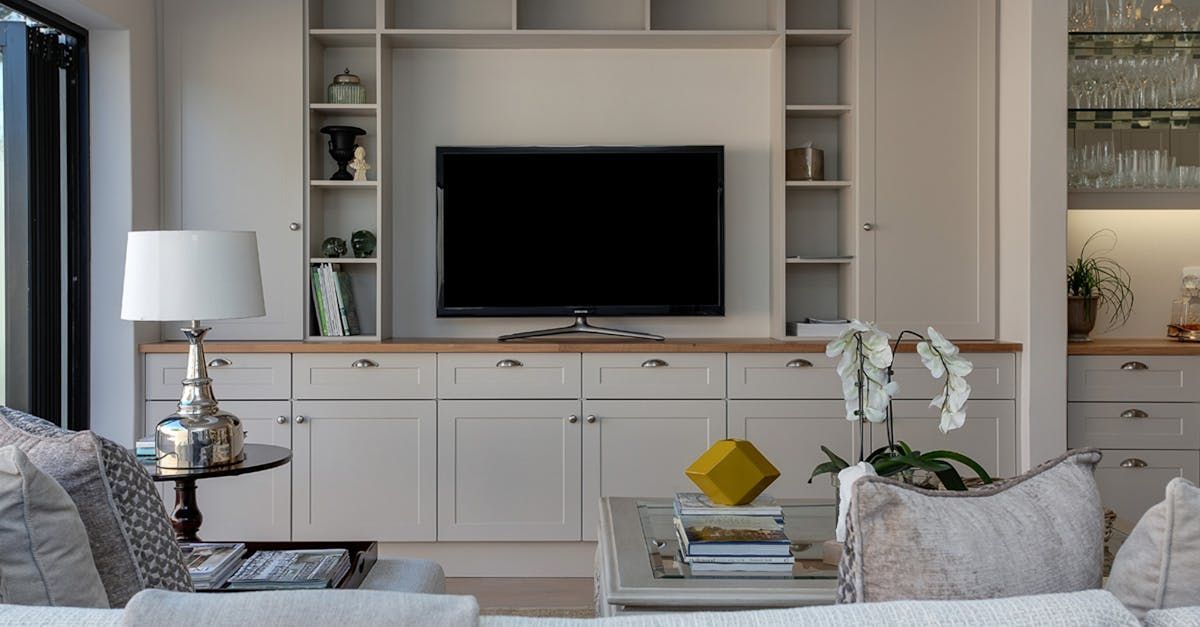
(538, 231)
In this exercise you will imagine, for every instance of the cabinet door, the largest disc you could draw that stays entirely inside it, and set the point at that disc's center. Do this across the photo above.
(231, 165)
(791, 434)
(641, 448)
(364, 470)
(927, 166)
(509, 470)
(989, 435)
(1133, 481)
(256, 506)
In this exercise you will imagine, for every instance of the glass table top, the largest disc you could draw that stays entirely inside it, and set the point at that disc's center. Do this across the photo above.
(808, 526)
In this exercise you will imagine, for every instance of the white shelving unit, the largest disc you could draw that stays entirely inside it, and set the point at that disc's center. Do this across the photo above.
(812, 236)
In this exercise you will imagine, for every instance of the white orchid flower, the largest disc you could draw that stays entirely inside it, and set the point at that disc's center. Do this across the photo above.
(931, 360)
(944, 346)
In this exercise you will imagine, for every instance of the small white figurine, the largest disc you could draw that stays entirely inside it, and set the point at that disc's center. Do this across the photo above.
(359, 164)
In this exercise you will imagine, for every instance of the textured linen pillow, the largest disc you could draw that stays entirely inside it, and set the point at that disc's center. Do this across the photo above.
(44, 554)
(127, 527)
(1158, 566)
(1039, 533)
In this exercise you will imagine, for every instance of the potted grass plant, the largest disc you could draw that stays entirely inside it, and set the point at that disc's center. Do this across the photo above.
(1095, 281)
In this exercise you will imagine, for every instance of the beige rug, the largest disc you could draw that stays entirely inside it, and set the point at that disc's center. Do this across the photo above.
(540, 612)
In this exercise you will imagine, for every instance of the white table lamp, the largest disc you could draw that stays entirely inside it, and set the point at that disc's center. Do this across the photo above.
(194, 275)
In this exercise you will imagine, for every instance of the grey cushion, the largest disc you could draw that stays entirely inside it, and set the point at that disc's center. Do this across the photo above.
(1158, 566)
(406, 575)
(1039, 533)
(301, 607)
(1175, 617)
(128, 531)
(44, 554)
(31, 615)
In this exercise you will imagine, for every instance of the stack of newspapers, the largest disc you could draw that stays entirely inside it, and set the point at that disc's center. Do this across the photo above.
(744, 539)
(211, 563)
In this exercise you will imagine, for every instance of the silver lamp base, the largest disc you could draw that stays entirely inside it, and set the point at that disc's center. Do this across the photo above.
(200, 434)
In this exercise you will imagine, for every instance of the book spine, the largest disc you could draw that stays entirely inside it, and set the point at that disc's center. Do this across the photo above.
(351, 304)
(318, 300)
(331, 311)
(339, 289)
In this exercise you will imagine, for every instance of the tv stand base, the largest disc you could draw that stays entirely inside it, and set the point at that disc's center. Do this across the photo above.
(581, 326)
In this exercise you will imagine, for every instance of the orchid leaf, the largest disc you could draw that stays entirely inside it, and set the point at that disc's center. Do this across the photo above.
(962, 459)
(951, 479)
(834, 458)
(825, 468)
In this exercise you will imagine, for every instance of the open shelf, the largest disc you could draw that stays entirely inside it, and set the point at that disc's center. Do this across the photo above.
(818, 260)
(341, 14)
(441, 14)
(1187, 198)
(579, 39)
(816, 111)
(352, 184)
(711, 15)
(817, 184)
(350, 110)
(817, 37)
(369, 260)
(344, 37)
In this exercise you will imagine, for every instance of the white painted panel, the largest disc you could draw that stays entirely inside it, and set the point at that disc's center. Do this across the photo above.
(783, 375)
(1131, 491)
(790, 434)
(994, 377)
(236, 376)
(989, 435)
(365, 470)
(1133, 425)
(509, 470)
(251, 507)
(651, 375)
(641, 448)
(363, 376)
(520, 375)
(1141, 378)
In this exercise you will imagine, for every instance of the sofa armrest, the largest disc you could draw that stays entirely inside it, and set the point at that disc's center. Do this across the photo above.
(300, 607)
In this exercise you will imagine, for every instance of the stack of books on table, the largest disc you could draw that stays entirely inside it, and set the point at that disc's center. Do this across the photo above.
(211, 563)
(291, 570)
(732, 539)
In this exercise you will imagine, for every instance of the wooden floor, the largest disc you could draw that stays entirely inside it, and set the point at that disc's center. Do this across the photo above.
(496, 592)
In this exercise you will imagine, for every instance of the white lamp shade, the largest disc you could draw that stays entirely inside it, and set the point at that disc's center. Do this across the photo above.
(192, 275)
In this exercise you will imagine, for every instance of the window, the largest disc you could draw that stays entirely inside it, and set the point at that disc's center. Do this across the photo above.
(44, 196)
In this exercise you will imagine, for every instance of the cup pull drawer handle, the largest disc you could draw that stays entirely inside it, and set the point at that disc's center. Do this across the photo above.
(1134, 365)
(1133, 462)
(509, 363)
(654, 363)
(364, 363)
(219, 362)
(1134, 413)
(799, 363)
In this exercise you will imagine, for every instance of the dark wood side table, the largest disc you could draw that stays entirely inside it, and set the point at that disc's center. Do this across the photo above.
(186, 517)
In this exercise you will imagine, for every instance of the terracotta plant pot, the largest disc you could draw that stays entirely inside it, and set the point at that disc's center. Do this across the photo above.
(1081, 317)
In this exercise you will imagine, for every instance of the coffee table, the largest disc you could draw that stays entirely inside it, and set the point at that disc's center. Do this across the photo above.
(638, 571)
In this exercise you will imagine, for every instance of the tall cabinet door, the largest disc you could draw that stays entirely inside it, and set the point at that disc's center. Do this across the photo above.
(790, 434)
(233, 141)
(509, 470)
(256, 506)
(989, 435)
(365, 470)
(641, 448)
(927, 165)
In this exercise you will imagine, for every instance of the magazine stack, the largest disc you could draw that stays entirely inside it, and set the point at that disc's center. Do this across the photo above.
(211, 563)
(291, 570)
(746, 539)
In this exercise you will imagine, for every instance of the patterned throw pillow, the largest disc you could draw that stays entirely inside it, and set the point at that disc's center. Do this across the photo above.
(128, 530)
(1039, 533)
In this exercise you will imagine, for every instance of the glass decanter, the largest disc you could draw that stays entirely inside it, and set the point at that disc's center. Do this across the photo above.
(1167, 17)
(1185, 311)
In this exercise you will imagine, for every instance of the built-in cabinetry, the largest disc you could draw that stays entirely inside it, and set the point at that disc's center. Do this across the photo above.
(397, 445)
(1143, 412)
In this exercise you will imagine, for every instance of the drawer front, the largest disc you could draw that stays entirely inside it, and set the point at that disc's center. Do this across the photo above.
(649, 375)
(783, 375)
(994, 377)
(236, 376)
(1133, 425)
(1133, 378)
(1132, 481)
(357, 376)
(496, 375)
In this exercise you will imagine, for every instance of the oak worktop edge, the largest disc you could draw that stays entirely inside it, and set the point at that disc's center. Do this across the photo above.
(1133, 346)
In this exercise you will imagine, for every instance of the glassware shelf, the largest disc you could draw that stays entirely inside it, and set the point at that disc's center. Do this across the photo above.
(1169, 118)
(1131, 40)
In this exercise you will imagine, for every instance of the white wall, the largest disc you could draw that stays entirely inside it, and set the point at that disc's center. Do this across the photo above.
(481, 97)
(1032, 215)
(125, 192)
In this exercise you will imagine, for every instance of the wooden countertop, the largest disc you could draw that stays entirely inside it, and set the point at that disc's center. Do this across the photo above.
(482, 345)
(1133, 346)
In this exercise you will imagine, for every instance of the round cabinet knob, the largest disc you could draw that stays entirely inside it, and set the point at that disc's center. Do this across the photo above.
(281, 420)
(572, 419)
(591, 418)
(867, 226)
(293, 226)
(300, 420)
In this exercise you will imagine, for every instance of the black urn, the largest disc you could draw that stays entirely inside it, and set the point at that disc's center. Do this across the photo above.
(341, 148)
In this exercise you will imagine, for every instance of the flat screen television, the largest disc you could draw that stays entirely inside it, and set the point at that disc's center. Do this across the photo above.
(581, 230)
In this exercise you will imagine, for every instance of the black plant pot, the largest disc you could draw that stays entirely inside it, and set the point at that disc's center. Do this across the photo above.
(341, 148)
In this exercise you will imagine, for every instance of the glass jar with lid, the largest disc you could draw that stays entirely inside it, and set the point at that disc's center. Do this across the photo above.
(347, 88)
(1185, 310)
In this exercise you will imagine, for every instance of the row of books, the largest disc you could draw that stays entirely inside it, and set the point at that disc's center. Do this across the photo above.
(333, 301)
(215, 565)
(715, 538)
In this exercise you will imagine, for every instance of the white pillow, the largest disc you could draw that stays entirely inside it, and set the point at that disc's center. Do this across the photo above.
(1158, 567)
(45, 558)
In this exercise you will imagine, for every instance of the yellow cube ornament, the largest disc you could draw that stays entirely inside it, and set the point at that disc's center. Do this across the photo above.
(732, 472)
